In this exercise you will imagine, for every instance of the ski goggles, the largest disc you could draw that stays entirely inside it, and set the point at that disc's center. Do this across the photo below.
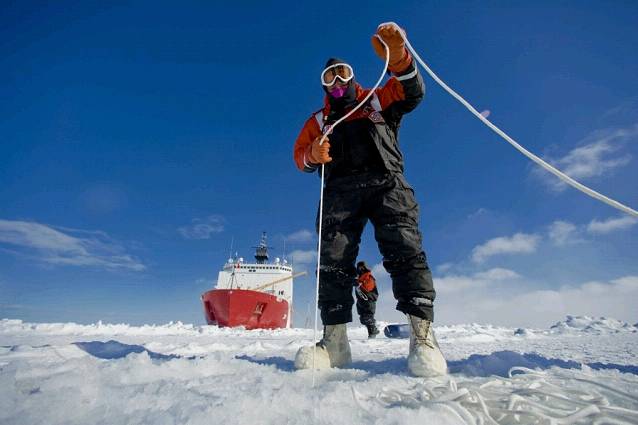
(342, 71)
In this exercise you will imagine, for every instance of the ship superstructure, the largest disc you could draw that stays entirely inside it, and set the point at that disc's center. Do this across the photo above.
(254, 295)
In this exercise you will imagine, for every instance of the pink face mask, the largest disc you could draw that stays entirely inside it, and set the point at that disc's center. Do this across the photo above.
(338, 92)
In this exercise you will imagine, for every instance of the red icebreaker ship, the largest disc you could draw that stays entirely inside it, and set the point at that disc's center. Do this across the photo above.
(254, 295)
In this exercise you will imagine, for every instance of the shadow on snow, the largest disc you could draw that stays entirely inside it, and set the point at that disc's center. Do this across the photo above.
(280, 363)
(111, 350)
(498, 363)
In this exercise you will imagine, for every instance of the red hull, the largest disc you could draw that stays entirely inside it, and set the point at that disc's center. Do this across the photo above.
(241, 307)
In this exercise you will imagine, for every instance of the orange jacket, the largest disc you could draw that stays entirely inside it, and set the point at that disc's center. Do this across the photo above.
(391, 92)
(366, 282)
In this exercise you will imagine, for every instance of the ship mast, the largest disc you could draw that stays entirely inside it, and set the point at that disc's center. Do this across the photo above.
(261, 253)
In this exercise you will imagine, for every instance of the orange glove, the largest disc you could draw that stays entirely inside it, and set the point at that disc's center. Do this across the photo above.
(400, 59)
(319, 154)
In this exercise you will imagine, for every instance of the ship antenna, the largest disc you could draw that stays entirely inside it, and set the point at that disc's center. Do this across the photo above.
(284, 253)
(232, 240)
(232, 276)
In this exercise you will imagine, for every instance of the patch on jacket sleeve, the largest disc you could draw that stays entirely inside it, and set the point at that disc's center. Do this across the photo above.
(376, 117)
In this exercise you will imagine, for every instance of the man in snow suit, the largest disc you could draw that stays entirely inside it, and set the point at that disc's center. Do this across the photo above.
(364, 181)
(367, 295)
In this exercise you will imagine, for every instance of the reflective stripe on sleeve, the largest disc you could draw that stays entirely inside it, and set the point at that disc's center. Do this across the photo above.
(375, 103)
(319, 118)
(407, 76)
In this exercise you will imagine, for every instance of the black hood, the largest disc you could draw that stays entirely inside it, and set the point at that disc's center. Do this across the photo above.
(363, 267)
(333, 61)
(349, 98)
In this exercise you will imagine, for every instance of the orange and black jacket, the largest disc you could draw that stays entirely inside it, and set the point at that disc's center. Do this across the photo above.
(368, 140)
(368, 286)
(367, 282)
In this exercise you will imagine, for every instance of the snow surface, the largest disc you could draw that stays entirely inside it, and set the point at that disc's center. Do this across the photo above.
(581, 370)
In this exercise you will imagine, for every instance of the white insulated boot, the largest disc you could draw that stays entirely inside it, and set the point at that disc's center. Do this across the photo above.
(425, 357)
(332, 351)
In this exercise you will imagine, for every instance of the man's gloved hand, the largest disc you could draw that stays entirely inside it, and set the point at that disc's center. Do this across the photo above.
(400, 59)
(360, 294)
(319, 154)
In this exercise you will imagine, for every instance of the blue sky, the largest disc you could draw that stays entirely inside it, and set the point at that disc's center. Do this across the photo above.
(137, 140)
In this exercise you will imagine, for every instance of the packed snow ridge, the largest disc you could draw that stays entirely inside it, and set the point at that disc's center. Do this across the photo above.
(601, 325)
(581, 370)
(472, 331)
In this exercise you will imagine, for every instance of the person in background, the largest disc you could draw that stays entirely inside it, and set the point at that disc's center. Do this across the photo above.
(367, 295)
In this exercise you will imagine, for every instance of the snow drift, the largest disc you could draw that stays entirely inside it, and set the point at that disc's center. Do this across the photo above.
(582, 370)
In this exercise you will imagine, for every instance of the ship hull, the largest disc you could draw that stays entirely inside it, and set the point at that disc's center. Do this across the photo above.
(241, 307)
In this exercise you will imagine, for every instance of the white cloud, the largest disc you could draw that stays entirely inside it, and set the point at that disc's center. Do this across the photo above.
(303, 257)
(520, 243)
(444, 268)
(451, 284)
(386, 304)
(496, 274)
(599, 155)
(563, 232)
(92, 249)
(490, 297)
(378, 271)
(540, 308)
(590, 160)
(301, 236)
(626, 284)
(503, 297)
(456, 283)
(611, 224)
(202, 228)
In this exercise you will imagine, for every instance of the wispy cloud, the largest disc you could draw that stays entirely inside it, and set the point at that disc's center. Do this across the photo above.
(520, 243)
(611, 224)
(598, 155)
(202, 228)
(479, 212)
(299, 257)
(301, 236)
(562, 232)
(625, 111)
(70, 247)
